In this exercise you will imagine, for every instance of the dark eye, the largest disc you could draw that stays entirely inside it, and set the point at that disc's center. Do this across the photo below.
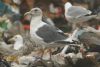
(35, 10)
(15, 37)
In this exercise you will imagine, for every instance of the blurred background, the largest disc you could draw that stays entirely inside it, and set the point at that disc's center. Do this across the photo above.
(12, 12)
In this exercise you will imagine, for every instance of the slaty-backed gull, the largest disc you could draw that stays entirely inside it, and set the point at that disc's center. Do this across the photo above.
(42, 33)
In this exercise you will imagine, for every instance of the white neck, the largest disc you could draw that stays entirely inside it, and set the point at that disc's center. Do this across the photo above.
(35, 21)
(18, 44)
(67, 6)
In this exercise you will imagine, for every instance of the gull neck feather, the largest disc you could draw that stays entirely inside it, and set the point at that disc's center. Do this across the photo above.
(18, 44)
(67, 6)
(36, 20)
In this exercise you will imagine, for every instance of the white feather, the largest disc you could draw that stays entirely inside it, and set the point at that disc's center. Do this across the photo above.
(18, 42)
(68, 5)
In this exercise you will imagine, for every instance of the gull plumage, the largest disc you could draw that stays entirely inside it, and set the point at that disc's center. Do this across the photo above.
(21, 46)
(77, 13)
(42, 33)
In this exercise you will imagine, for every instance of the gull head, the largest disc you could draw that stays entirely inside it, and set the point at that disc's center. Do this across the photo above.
(18, 41)
(67, 5)
(17, 38)
(34, 12)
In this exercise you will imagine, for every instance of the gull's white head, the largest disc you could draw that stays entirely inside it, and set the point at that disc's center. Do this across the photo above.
(17, 38)
(34, 12)
(68, 5)
(18, 41)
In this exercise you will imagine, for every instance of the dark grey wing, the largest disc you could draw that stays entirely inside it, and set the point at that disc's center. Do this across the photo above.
(49, 34)
(76, 11)
(46, 20)
(90, 38)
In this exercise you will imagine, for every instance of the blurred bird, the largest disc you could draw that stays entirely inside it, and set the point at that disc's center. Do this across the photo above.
(18, 42)
(90, 37)
(91, 40)
(77, 13)
(20, 47)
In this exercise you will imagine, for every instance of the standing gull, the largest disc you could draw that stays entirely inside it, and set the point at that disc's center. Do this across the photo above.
(77, 13)
(42, 33)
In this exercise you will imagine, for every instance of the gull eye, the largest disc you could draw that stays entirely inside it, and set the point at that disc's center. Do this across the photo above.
(15, 37)
(35, 10)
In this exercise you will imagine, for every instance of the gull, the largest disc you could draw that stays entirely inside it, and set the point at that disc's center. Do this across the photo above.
(90, 37)
(23, 45)
(77, 13)
(20, 47)
(47, 35)
(46, 20)
(44, 34)
(5, 48)
(18, 42)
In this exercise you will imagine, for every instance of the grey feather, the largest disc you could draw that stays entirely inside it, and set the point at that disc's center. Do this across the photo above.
(49, 34)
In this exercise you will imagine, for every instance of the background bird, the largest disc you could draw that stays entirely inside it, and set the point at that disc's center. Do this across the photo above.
(77, 15)
(20, 47)
(91, 39)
